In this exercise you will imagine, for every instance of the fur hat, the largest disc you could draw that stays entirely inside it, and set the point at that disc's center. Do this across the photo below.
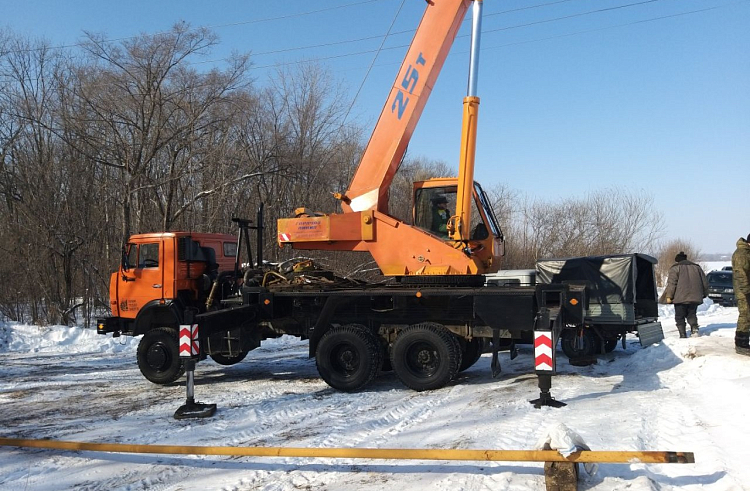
(440, 198)
(681, 256)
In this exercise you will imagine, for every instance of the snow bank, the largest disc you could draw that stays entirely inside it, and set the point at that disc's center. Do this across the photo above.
(51, 339)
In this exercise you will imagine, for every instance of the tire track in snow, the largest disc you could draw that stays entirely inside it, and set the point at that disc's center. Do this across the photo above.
(372, 419)
(134, 480)
(678, 425)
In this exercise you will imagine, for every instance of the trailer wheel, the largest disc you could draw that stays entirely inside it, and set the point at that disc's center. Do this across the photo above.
(159, 356)
(348, 357)
(425, 356)
(610, 345)
(579, 343)
(227, 360)
(472, 351)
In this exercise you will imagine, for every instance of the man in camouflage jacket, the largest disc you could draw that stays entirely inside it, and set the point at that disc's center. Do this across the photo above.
(741, 283)
(687, 286)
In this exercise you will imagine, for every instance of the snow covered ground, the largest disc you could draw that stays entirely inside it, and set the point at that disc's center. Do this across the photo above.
(62, 383)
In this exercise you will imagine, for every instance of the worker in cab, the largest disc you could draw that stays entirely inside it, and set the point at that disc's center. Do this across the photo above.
(440, 216)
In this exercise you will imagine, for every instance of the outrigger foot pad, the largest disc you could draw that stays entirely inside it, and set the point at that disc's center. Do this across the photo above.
(195, 410)
(546, 399)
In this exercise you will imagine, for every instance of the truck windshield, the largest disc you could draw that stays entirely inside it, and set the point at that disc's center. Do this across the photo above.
(434, 206)
(487, 206)
(720, 279)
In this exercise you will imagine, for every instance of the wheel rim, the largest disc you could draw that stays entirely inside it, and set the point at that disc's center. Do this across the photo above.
(345, 360)
(158, 357)
(422, 359)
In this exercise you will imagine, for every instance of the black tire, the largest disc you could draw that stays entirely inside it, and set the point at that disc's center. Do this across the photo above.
(472, 351)
(348, 357)
(579, 343)
(159, 356)
(610, 345)
(227, 360)
(426, 356)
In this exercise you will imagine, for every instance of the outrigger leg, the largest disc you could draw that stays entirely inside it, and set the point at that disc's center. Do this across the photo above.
(545, 340)
(545, 396)
(189, 352)
(192, 409)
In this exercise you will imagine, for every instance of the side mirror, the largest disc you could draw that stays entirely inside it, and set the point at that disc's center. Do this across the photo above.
(124, 261)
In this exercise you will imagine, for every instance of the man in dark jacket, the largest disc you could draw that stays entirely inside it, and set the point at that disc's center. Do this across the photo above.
(687, 286)
(741, 283)
(440, 216)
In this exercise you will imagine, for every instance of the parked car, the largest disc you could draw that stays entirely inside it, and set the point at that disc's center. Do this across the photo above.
(720, 288)
(726, 268)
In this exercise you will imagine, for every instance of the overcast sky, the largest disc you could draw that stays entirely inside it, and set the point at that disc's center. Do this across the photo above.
(576, 95)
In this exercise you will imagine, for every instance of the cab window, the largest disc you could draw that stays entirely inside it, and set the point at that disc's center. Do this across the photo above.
(148, 256)
(433, 207)
(230, 249)
(131, 255)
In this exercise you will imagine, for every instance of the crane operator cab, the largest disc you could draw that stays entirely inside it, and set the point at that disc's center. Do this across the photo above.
(434, 212)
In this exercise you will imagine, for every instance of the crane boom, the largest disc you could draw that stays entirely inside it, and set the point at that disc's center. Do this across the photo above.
(468, 242)
(403, 108)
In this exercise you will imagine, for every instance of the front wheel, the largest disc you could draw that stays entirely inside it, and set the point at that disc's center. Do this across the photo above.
(159, 356)
(425, 356)
(348, 357)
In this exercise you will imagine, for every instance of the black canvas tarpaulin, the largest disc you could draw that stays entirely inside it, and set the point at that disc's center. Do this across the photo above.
(609, 279)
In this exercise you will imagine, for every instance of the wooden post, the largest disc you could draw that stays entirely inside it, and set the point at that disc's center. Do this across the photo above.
(561, 476)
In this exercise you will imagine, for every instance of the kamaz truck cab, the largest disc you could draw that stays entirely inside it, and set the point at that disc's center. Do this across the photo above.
(160, 277)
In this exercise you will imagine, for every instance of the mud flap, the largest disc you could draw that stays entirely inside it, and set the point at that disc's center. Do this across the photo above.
(495, 365)
(650, 333)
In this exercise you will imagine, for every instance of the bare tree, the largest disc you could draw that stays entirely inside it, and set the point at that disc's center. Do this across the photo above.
(142, 110)
(48, 196)
(611, 221)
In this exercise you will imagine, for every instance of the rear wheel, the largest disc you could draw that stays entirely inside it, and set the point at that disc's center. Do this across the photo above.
(159, 356)
(472, 351)
(348, 357)
(425, 356)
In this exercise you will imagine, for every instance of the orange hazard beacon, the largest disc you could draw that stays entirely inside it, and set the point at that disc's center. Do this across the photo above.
(454, 232)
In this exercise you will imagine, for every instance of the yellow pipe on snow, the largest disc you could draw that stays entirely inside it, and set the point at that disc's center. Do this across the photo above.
(624, 457)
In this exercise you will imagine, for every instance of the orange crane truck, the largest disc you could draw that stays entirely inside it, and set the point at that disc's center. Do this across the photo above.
(432, 319)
